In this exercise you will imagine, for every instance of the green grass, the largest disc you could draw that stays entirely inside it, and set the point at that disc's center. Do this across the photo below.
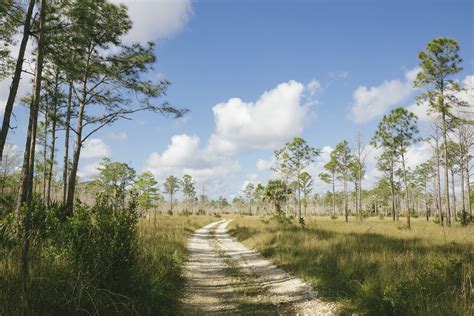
(374, 267)
(57, 287)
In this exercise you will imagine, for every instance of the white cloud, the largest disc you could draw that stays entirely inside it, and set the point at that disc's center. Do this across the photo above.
(117, 135)
(273, 119)
(313, 86)
(89, 171)
(183, 156)
(265, 165)
(370, 102)
(95, 148)
(418, 154)
(155, 19)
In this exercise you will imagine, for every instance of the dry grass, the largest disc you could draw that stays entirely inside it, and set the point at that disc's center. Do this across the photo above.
(373, 266)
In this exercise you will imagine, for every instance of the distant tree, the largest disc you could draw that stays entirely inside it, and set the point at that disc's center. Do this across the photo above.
(258, 195)
(189, 189)
(293, 159)
(396, 132)
(10, 161)
(387, 163)
(423, 174)
(147, 190)
(171, 186)
(276, 192)
(306, 184)
(329, 177)
(438, 63)
(115, 179)
(248, 191)
(343, 161)
(360, 153)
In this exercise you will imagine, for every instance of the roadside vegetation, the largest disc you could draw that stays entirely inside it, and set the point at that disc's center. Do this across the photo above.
(374, 266)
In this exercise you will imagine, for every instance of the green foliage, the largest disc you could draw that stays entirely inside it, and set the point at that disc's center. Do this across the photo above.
(146, 188)
(276, 192)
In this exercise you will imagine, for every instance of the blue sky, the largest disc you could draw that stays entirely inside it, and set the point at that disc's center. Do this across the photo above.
(359, 56)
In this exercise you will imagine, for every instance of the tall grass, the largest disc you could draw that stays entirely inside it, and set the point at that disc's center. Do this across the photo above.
(96, 262)
(374, 267)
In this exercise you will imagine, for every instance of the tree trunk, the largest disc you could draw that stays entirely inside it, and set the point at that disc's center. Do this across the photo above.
(333, 194)
(26, 181)
(438, 181)
(392, 189)
(446, 166)
(16, 78)
(463, 195)
(346, 213)
(45, 150)
(407, 202)
(453, 192)
(469, 206)
(53, 138)
(66, 142)
(75, 160)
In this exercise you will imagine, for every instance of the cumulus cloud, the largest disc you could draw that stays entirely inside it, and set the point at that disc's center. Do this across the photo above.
(370, 102)
(265, 165)
(276, 117)
(155, 19)
(273, 119)
(89, 171)
(95, 148)
(183, 156)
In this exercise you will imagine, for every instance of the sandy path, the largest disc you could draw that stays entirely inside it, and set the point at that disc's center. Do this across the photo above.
(225, 277)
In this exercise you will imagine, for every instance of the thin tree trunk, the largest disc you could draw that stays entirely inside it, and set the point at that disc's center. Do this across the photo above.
(446, 168)
(45, 149)
(407, 202)
(438, 181)
(53, 138)
(66, 143)
(469, 206)
(16, 78)
(25, 194)
(75, 160)
(453, 192)
(333, 194)
(392, 189)
(346, 214)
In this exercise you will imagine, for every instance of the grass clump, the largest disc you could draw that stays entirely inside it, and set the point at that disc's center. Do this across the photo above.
(373, 266)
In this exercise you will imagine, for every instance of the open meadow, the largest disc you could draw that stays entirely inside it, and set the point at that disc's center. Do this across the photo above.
(373, 266)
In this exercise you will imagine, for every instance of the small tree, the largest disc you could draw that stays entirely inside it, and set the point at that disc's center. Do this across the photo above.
(306, 184)
(396, 132)
(276, 192)
(189, 189)
(343, 161)
(293, 159)
(172, 186)
(248, 191)
(147, 190)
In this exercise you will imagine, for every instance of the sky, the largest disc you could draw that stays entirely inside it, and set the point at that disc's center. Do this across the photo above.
(255, 74)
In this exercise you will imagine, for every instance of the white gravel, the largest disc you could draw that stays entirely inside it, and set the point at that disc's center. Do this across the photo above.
(211, 290)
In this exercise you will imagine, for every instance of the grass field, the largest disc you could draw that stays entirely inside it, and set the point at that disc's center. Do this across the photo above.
(374, 266)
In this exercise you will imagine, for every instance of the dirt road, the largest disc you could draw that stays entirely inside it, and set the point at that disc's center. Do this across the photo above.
(225, 277)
